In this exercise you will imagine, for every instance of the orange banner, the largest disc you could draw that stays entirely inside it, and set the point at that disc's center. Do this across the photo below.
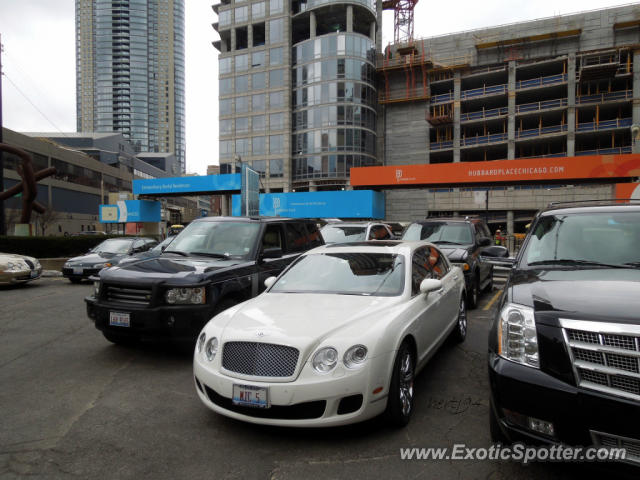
(512, 171)
(627, 191)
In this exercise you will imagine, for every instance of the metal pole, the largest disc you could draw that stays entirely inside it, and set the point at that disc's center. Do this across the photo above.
(2, 225)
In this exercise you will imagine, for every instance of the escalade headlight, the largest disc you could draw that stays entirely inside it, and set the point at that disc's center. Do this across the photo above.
(517, 336)
(185, 296)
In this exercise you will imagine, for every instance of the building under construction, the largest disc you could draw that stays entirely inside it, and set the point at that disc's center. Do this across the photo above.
(558, 87)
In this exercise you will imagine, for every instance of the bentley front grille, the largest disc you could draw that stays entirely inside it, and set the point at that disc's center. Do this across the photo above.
(605, 356)
(259, 359)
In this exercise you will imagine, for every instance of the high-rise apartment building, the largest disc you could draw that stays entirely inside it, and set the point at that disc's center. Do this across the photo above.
(130, 72)
(297, 90)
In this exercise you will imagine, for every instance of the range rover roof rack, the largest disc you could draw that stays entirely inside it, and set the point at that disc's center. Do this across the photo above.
(595, 203)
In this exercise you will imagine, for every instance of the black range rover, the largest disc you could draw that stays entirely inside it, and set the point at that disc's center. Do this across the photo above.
(213, 264)
(466, 242)
(564, 348)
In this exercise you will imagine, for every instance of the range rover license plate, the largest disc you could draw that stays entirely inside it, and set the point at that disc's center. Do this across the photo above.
(119, 319)
(249, 396)
(78, 270)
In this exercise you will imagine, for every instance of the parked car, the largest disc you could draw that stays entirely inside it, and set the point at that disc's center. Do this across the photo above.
(467, 243)
(343, 232)
(105, 254)
(397, 228)
(18, 269)
(213, 264)
(151, 253)
(338, 338)
(564, 347)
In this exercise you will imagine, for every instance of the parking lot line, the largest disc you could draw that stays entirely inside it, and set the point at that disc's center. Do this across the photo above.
(492, 301)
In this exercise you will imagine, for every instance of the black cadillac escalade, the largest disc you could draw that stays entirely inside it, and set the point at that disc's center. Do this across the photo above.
(213, 264)
(564, 348)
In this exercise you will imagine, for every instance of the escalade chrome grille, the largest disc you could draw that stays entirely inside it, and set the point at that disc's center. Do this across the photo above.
(605, 356)
(259, 359)
(134, 295)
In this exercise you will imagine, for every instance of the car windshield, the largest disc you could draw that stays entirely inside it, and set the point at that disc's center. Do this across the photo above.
(225, 239)
(343, 234)
(439, 232)
(609, 238)
(353, 273)
(114, 245)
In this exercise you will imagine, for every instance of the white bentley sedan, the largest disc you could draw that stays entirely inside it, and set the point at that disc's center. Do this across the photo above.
(337, 338)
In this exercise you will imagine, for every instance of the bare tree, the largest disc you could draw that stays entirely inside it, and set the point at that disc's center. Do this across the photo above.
(48, 217)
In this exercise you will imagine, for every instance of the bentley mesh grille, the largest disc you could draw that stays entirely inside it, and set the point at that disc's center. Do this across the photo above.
(260, 359)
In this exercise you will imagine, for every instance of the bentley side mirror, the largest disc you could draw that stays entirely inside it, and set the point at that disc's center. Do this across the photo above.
(269, 282)
(430, 285)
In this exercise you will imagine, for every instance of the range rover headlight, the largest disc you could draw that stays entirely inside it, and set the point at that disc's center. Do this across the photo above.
(96, 289)
(355, 357)
(211, 348)
(517, 336)
(325, 359)
(185, 296)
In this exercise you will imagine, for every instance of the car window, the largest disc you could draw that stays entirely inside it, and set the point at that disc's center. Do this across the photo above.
(232, 239)
(341, 234)
(420, 269)
(273, 237)
(296, 237)
(379, 232)
(315, 239)
(438, 263)
(440, 232)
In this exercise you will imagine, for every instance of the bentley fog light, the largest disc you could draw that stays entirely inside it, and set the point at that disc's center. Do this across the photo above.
(325, 359)
(517, 336)
(185, 295)
(211, 348)
(200, 343)
(355, 356)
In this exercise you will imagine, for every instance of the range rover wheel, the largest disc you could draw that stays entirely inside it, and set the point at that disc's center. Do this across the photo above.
(400, 401)
(459, 333)
(497, 436)
(120, 339)
(472, 296)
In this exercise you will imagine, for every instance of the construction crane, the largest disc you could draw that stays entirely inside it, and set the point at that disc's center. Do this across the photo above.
(402, 19)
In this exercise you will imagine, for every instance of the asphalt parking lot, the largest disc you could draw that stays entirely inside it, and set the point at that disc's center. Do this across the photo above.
(72, 405)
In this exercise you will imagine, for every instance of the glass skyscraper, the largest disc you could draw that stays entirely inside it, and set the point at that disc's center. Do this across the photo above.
(130, 72)
(297, 89)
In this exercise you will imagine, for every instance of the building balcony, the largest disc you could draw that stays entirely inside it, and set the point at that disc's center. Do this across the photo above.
(483, 114)
(604, 97)
(541, 81)
(604, 125)
(605, 151)
(442, 98)
(539, 106)
(483, 139)
(538, 132)
(441, 145)
(484, 91)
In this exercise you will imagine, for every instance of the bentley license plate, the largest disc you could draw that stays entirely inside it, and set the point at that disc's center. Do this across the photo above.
(119, 319)
(250, 396)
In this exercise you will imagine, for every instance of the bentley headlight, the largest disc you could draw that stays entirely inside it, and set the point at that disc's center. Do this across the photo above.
(185, 296)
(355, 356)
(325, 359)
(211, 348)
(517, 336)
(200, 344)
(15, 266)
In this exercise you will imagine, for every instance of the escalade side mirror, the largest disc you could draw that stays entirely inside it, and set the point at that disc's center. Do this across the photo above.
(271, 253)
(496, 251)
(484, 242)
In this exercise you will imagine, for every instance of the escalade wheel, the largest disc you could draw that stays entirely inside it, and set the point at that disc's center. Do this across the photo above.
(459, 332)
(400, 401)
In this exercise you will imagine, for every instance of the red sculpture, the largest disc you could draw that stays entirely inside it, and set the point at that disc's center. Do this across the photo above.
(28, 185)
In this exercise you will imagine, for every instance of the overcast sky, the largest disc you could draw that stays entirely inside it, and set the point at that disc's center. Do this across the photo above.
(38, 59)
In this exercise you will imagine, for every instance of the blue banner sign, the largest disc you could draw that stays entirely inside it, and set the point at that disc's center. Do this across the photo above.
(332, 204)
(184, 185)
(128, 211)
